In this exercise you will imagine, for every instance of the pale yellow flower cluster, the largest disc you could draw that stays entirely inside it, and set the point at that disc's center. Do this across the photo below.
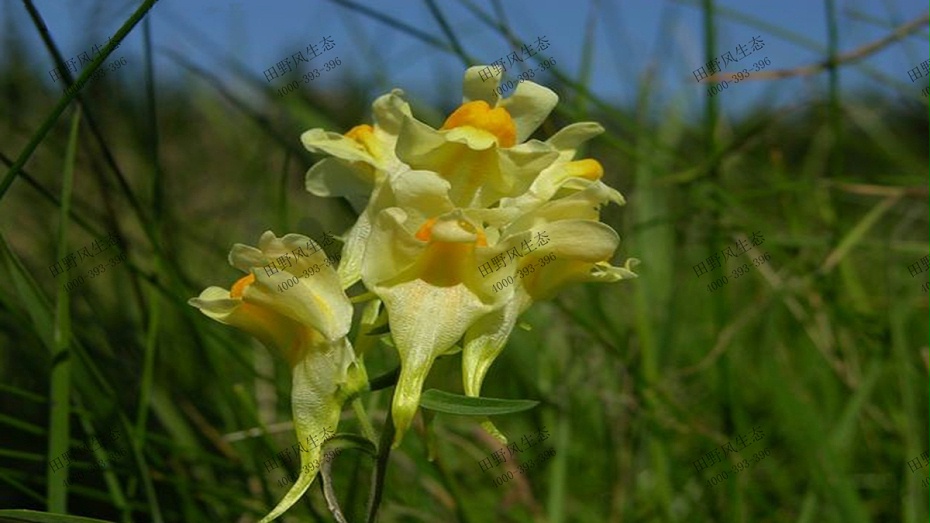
(438, 205)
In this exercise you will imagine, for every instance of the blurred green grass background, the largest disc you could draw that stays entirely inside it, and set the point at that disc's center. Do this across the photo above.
(823, 347)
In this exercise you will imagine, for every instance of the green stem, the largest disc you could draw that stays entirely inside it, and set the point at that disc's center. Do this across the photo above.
(332, 501)
(377, 477)
(363, 420)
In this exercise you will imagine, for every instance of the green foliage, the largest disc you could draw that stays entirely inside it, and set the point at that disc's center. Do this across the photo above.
(442, 401)
(823, 346)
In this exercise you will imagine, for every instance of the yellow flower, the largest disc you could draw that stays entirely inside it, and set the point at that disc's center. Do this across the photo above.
(362, 158)
(460, 197)
(483, 148)
(306, 324)
(421, 260)
(424, 259)
(561, 242)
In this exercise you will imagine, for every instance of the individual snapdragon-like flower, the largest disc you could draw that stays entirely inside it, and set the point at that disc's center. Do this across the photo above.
(361, 160)
(361, 157)
(306, 324)
(484, 148)
(561, 242)
(420, 259)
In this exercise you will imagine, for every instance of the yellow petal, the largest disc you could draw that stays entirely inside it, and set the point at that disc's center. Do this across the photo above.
(335, 144)
(588, 169)
(529, 105)
(579, 249)
(485, 340)
(389, 111)
(334, 177)
(317, 300)
(480, 86)
(426, 321)
(307, 325)
(321, 384)
(279, 334)
(569, 138)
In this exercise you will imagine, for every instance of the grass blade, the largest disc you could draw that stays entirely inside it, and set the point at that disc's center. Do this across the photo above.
(60, 394)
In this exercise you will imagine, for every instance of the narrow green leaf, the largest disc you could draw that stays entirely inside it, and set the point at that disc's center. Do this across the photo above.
(44, 517)
(449, 403)
(60, 391)
(22, 393)
(858, 232)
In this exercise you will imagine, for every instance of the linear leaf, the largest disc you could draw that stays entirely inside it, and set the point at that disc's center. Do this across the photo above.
(44, 517)
(449, 403)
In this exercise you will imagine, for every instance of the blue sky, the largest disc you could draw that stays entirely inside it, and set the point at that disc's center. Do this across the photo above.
(630, 38)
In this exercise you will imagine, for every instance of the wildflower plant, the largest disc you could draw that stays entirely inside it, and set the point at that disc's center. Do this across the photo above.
(435, 206)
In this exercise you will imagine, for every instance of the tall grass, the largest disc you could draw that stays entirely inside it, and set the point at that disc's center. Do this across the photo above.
(823, 347)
